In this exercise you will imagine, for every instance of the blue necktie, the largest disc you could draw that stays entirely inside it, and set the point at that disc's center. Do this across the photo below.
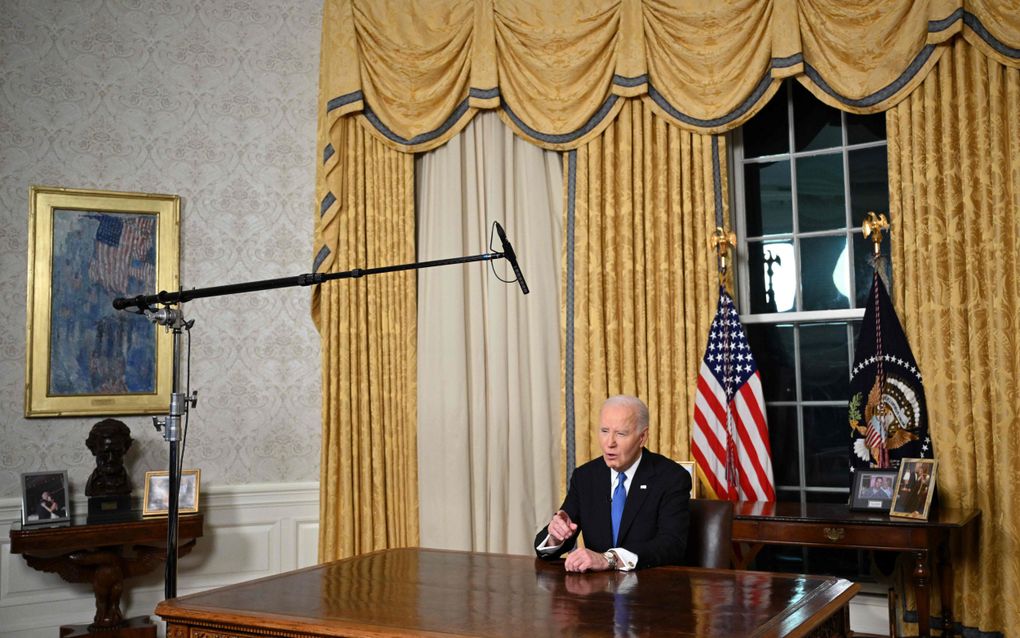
(619, 496)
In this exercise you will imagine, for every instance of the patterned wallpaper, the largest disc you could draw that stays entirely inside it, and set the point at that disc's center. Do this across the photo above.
(211, 100)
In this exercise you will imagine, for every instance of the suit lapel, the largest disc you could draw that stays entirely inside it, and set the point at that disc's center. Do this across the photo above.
(636, 495)
(600, 525)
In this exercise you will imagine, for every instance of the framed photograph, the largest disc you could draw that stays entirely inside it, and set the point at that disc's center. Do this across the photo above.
(872, 490)
(86, 248)
(915, 486)
(157, 493)
(44, 498)
(692, 470)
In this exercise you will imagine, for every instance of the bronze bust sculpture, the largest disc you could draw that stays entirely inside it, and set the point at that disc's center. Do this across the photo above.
(108, 487)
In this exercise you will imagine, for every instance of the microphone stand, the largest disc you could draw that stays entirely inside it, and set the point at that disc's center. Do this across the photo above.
(173, 319)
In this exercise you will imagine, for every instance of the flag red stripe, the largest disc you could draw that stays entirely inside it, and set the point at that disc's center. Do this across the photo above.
(764, 478)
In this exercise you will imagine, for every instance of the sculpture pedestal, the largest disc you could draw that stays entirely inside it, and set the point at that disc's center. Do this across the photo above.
(137, 627)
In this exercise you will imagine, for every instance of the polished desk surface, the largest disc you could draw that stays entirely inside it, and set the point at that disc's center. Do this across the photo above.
(839, 513)
(405, 592)
(78, 533)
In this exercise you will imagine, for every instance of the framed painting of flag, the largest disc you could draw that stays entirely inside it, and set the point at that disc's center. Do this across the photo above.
(87, 247)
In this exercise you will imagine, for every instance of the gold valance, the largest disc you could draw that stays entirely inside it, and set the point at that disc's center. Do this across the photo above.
(415, 71)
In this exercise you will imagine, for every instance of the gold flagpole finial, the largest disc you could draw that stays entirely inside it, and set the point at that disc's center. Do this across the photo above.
(874, 224)
(721, 242)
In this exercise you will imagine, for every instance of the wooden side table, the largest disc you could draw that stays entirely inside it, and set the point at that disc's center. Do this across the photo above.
(104, 554)
(834, 525)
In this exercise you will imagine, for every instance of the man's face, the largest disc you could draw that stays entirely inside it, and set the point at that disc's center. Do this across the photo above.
(619, 439)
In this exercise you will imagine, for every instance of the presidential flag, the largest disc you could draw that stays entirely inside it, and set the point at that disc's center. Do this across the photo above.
(887, 412)
(731, 439)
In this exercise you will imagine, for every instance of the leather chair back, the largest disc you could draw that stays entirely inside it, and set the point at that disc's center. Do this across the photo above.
(710, 534)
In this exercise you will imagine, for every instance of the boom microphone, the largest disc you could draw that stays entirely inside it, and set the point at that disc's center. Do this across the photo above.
(508, 252)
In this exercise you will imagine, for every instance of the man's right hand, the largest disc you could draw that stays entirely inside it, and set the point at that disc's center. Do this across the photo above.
(561, 528)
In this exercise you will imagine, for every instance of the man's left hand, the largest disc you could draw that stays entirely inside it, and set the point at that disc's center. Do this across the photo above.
(585, 560)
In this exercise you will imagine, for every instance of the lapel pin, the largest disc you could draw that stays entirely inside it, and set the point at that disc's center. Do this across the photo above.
(644, 486)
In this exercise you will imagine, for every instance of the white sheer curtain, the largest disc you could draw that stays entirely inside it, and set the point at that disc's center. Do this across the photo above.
(488, 356)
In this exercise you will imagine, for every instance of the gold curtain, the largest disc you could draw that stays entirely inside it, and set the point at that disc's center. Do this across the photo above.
(369, 483)
(644, 279)
(417, 71)
(954, 182)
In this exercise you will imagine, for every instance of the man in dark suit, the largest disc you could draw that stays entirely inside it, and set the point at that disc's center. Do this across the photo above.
(649, 493)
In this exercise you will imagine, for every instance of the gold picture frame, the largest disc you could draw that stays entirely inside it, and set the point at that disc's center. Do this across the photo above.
(85, 248)
(157, 491)
(915, 487)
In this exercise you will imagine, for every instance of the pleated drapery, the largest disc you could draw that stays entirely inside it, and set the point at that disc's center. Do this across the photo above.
(417, 71)
(641, 278)
(369, 484)
(489, 357)
(954, 185)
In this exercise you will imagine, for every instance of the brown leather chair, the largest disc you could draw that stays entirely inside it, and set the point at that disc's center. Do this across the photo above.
(709, 537)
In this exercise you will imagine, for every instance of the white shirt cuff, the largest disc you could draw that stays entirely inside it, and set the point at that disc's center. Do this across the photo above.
(545, 548)
(628, 560)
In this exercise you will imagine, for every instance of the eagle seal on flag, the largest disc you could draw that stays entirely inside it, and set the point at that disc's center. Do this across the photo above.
(887, 412)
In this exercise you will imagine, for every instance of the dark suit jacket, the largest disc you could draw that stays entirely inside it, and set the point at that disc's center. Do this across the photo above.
(655, 517)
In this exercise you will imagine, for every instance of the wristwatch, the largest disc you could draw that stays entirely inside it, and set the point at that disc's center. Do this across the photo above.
(610, 557)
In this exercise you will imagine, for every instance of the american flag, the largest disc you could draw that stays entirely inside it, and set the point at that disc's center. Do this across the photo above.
(731, 438)
(123, 244)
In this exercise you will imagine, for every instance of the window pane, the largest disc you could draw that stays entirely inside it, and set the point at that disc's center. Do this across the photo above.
(869, 183)
(826, 446)
(824, 366)
(783, 445)
(772, 347)
(825, 273)
(772, 276)
(769, 202)
(767, 132)
(865, 128)
(816, 125)
(863, 268)
(820, 201)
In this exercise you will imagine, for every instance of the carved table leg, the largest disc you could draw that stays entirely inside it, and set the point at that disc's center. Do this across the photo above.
(921, 585)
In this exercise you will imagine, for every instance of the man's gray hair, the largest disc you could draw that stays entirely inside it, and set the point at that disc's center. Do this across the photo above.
(638, 409)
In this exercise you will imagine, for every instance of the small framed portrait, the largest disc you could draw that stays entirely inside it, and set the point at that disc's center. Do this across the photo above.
(689, 466)
(44, 498)
(872, 490)
(915, 486)
(157, 493)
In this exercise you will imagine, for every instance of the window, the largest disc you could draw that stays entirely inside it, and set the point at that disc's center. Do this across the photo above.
(805, 176)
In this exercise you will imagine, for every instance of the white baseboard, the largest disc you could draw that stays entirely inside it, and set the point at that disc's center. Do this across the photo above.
(251, 531)
(869, 612)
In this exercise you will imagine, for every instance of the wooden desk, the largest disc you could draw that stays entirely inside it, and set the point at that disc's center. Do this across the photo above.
(103, 554)
(422, 592)
(834, 525)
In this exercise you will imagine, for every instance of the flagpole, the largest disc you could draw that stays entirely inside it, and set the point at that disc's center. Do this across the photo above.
(722, 242)
(874, 224)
